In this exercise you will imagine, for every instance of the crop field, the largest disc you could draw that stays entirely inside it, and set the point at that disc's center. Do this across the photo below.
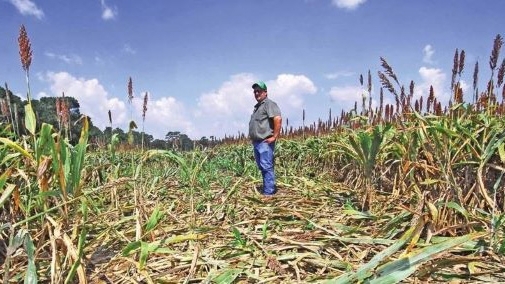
(410, 193)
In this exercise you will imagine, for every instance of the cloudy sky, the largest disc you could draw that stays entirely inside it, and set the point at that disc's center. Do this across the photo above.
(197, 59)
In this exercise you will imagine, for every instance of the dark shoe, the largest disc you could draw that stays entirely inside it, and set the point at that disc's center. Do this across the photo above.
(271, 193)
(259, 189)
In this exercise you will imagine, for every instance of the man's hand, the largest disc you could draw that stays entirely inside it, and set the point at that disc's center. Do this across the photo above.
(270, 139)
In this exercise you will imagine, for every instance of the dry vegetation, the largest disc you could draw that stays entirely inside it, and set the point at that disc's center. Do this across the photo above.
(410, 192)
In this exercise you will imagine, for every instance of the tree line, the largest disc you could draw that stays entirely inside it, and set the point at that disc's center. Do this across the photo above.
(63, 113)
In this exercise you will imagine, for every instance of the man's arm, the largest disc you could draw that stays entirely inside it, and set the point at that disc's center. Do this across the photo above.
(277, 129)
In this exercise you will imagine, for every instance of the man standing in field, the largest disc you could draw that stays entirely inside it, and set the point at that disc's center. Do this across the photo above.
(264, 129)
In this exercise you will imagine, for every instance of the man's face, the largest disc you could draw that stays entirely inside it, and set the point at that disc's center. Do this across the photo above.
(259, 94)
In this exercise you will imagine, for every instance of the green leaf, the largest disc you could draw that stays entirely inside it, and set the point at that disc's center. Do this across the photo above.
(355, 214)
(228, 276)
(396, 277)
(13, 145)
(494, 143)
(133, 246)
(31, 270)
(156, 246)
(501, 250)
(77, 157)
(64, 171)
(455, 206)
(153, 219)
(144, 253)
(501, 152)
(45, 142)
(366, 270)
(3, 178)
(6, 194)
(17, 241)
(397, 270)
(238, 240)
(264, 230)
(10, 157)
(30, 120)
(145, 249)
(114, 139)
(81, 243)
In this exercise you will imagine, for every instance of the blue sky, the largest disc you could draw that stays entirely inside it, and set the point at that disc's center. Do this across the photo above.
(197, 60)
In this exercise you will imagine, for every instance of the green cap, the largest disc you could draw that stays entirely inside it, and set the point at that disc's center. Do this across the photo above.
(260, 84)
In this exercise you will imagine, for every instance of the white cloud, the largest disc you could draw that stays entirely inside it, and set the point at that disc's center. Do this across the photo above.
(432, 77)
(348, 4)
(290, 90)
(347, 96)
(93, 98)
(339, 74)
(220, 112)
(70, 59)
(163, 115)
(27, 7)
(233, 97)
(108, 13)
(226, 111)
(428, 52)
(436, 78)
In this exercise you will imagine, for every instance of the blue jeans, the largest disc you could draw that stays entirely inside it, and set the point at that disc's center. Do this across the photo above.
(264, 155)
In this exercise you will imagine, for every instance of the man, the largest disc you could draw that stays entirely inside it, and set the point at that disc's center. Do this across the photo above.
(264, 130)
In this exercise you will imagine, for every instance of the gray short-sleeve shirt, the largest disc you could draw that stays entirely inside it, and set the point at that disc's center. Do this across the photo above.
(261, 123)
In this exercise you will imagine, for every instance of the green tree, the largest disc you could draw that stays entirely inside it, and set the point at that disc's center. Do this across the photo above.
(186, 143)
(137, 138)
(46, 112)
(96, 136)
(178, 141)
(172, 138)
(107, 133)
(16, 109)
(159, 144)
(122, 136)
(204, 142)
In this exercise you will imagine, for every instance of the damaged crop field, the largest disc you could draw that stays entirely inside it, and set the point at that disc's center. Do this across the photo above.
(410, 192)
